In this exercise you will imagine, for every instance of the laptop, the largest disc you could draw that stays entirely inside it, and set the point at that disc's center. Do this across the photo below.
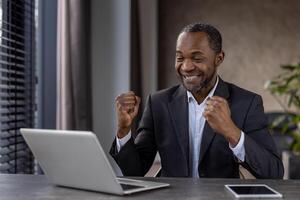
(76, 159)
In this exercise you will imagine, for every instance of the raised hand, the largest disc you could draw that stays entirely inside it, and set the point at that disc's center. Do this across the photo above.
(218, 116)
(127, 106)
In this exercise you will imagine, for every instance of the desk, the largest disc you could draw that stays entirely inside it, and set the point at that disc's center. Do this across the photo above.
(31, 187)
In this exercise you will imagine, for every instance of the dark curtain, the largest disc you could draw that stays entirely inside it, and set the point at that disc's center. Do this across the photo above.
(136, 68)
(74, 109)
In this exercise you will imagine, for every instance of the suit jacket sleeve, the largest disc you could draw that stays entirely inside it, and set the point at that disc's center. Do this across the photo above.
(261, 157)
(136, 156)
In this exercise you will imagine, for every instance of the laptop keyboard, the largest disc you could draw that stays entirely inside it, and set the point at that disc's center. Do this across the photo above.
(128, 187)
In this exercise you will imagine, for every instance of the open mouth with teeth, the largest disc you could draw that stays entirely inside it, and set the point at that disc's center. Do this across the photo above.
(191, 77)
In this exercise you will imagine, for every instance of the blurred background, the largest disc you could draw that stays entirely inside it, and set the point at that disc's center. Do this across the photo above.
(76, 56)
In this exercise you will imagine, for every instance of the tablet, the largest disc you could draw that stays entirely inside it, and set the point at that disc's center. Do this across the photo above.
(253, 190)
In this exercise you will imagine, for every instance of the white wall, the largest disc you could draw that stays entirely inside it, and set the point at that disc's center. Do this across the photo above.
(110, 58)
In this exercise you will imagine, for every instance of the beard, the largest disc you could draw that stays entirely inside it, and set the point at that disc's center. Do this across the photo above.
(199, 84)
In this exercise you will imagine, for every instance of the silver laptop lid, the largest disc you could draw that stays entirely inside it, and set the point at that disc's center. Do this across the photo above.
(73, 159)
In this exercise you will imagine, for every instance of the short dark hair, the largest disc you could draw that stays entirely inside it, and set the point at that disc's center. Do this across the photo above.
(214, 36)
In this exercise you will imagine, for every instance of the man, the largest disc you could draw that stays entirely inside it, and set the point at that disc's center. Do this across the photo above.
(204, 127)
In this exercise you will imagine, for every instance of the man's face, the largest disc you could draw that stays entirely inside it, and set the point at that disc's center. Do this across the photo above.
(196, 63)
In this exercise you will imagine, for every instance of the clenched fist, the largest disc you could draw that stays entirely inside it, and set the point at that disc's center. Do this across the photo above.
(218, 116)
(127, 106)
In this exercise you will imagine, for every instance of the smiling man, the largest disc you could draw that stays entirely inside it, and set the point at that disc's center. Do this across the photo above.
(204, 127)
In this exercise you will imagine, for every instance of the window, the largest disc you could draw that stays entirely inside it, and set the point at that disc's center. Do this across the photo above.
(17, 83)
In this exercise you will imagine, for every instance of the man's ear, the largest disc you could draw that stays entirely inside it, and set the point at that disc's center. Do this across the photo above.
(219, 58)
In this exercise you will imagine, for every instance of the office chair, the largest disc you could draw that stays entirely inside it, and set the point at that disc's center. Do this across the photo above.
(277, 121)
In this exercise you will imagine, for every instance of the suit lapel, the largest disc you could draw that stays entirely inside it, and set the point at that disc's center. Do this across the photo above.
(208, 132)
(178, 108)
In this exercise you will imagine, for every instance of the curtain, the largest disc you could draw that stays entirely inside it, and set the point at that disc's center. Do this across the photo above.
(143, 72)
(136, 75)
(74, 107)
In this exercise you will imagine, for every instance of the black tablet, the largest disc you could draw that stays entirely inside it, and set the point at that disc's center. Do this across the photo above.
(253, 190)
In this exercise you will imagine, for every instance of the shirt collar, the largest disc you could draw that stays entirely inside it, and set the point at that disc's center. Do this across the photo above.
(210, 94)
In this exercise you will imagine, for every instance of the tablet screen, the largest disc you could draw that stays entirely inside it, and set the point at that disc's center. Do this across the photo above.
(251, 190)
(254, 190)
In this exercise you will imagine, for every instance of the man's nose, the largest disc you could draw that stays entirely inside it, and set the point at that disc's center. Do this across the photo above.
(187, 65)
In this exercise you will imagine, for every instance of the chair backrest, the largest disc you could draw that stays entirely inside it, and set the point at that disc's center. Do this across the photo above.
(278, 120)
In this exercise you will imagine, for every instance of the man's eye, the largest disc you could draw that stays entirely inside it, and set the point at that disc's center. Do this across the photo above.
(198, 59)
(179, 59)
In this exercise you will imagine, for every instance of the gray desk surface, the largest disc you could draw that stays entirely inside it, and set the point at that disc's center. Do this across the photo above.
(31, 187)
